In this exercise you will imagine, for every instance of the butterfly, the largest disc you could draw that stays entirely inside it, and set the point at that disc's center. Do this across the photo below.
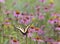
(23, 31)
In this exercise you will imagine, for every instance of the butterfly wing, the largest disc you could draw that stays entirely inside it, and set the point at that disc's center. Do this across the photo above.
(26, 29)
(21, 29)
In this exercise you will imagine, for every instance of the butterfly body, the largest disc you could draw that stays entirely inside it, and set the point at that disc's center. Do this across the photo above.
(25, 33)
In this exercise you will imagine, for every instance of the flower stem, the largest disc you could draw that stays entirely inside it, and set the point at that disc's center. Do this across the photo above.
(26, 38)
(36, 42)
(30, 40)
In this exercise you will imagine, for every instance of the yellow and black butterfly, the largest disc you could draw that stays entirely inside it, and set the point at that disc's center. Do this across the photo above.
(23, 31)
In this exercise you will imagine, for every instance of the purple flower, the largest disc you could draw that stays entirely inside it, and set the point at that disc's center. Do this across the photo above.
(56, 42)
(38, 39)
(7, 22)
(53, 14)
(42, 27)
(31, 31)
(52, 5)
(17, 13)
(57, 28)
(37, 29)
(40, 32)
(37, 7)
(25, 20)
(30, 34)
(7, 12)
(49, 39)
(42, 0)
(14, 42)
(46, 9)
(2, 1)
(51, 21)
(41, 17)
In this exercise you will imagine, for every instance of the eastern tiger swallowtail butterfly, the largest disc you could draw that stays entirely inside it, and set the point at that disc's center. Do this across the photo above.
(23, 31)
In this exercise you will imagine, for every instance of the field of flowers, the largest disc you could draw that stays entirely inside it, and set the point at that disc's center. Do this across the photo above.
(29, 22)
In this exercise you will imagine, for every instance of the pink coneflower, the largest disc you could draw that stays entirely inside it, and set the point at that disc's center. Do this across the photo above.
(52, 5)
(40, 32)
(29, 34)
(57, 28)
(7, 12)
(7, 22)
(39, 39)
(25, 20)
(17, 13)
(42, 27)
(42, 0)
(56, 42)
(37, 29)
(37, 8)
(2, 1)
(51, 21)
(41, 17)
(31, 31)
(46, 9)
(12, 41)
(53, 14)
(49, 39)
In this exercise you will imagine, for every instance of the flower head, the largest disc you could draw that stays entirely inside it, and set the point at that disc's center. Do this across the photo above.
(42, 0)
(2, 1)
(14, 41)
(39, 39)
(41, 17)
(17, 13)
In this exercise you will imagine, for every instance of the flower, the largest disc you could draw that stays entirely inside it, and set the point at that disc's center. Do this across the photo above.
(7, 22)
(56, 42)
(49, 39)
(41, 17)
(42, 27)
(2, 1)
(31, 31)
(17, 13)
(25, 20)
(37, 29)
(46, 8)
(57, 28)
(29, 34)
(14, 41)
(39, 39)
(37, 7)
(40, 32)
(51, 21)
(42, 0)
(54, 15)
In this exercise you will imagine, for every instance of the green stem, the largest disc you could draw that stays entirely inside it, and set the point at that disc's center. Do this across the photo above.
(26, 38)
(0, 5)
(30, 40)
(36, 42)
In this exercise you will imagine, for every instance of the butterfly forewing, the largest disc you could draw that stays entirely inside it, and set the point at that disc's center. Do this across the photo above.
(26, 29)
(21, 29)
